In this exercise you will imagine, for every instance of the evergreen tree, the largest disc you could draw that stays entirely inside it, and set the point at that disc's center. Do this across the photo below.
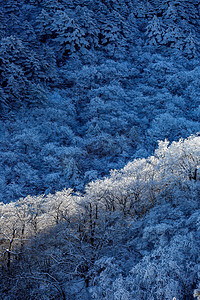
(43, 25)
(155, 32)
(69, 37)
(88, 23)
(191, 47)
(174, 37)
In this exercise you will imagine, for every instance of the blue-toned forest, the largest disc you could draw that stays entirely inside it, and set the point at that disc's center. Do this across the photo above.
(99, 149)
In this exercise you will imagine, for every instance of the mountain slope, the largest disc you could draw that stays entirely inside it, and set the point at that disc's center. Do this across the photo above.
(87, 86)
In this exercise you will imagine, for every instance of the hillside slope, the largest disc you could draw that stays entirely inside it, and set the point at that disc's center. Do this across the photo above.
(132, 235)
(87, 86)
(100, 149)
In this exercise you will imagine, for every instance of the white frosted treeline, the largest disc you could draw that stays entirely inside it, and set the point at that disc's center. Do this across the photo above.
(138, 186)
(172, 172)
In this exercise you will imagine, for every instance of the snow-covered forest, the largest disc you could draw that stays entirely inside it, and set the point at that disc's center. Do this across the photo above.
(100, 149)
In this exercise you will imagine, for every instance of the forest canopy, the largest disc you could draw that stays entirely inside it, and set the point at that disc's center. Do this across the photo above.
(100, 149)
(86, 86)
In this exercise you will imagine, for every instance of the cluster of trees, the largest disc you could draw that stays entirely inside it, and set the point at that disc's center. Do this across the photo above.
(87, 86)
(133, 234)
(111, 114)
(39, 37)
(72, 139)
(167, 27)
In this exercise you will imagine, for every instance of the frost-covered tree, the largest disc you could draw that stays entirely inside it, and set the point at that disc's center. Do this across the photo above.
(170, 15)
(191, 47)
(155, 32)
(17, 71)
(174, 38)
(89, 25)
(69, 37)
(43, 25)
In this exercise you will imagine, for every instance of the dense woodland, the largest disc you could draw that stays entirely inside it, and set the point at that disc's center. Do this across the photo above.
(100, 149)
